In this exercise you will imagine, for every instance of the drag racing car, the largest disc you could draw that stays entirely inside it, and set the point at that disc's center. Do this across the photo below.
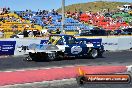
(64, 46)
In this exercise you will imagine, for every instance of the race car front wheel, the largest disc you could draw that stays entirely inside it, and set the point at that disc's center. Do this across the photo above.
(93, 53)
(51, 56)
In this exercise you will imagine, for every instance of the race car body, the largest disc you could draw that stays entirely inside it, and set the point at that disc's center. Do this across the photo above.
(63, 46)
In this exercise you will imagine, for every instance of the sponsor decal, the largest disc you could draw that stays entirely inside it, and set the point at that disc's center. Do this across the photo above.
(109, 43)
(43, 41)
(76, 49)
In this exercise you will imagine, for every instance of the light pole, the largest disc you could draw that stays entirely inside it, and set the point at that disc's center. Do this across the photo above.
(63, 15)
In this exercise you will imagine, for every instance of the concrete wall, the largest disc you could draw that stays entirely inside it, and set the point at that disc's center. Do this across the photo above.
(110, 43)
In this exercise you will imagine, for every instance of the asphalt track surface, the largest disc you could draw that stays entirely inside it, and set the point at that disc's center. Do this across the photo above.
(109, 58)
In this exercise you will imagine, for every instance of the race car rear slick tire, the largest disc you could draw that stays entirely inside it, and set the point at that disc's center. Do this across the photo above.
(93, 53)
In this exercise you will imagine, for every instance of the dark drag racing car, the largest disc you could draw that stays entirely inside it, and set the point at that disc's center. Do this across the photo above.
(65, 46)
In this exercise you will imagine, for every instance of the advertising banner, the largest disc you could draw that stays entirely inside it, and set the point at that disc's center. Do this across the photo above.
(7, 47)
(124, 43)
(110, 43)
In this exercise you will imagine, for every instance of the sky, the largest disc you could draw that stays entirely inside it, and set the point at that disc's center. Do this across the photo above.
(41, 4)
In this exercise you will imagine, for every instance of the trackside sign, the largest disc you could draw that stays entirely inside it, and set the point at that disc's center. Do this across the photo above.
(7, 47)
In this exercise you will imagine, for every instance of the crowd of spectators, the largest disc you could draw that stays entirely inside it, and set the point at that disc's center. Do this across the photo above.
(45, 12)
(25, 13)
(10, 19)
(74, 14)
(99, 19)
(4, 10)
(32, 33)
(30, 15)
(47, 20)
(7, 18)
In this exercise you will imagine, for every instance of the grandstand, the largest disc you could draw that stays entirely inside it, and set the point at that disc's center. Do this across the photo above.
(51, 20)
(125, 16)
(11, 22)
(108, 23)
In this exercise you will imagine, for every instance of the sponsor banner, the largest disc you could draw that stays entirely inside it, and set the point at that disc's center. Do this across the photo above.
(110, 43)
(7, 47)
(124, 43)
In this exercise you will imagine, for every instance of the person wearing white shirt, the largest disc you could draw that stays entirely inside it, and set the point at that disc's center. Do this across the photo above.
(1, 33)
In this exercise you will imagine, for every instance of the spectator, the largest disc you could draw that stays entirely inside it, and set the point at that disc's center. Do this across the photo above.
(1, 33)
(79, 30)
(56, 13)
(34, 33)
(30, 34)
(25, 33)
(37, 13)
(32, 25)
(68, 14)
(37, 33)
(58, 31)
(43, 12)
(80, 12)
(40, 12)
(53, 12)
(8, 9)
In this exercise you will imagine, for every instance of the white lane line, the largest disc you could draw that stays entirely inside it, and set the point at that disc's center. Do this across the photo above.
(42, 84)
(43, 68)
(129, 68)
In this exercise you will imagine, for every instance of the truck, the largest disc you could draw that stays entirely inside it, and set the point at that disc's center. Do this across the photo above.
(61, 46)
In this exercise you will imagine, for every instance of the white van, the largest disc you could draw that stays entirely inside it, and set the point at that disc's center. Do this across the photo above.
(126, 8)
